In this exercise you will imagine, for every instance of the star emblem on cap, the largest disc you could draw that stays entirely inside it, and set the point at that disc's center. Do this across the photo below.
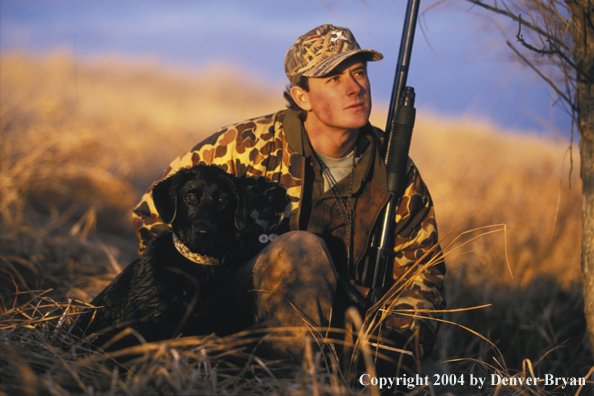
(336, 35)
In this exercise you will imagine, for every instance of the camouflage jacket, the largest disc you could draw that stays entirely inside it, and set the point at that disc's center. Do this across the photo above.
(269, 151)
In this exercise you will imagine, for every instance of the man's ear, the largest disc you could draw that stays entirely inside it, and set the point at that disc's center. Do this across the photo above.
(301, 98)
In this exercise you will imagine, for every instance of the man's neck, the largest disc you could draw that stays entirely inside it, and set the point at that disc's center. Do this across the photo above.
(335, 143)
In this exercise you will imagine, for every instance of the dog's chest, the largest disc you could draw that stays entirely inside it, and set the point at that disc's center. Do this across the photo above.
(200, 285)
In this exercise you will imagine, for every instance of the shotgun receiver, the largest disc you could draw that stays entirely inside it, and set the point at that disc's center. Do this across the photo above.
(399, 126)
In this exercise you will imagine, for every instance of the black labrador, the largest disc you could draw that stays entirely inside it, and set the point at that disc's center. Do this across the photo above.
(182, 283)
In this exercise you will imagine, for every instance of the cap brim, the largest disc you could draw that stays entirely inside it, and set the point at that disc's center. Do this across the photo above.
(328, 64)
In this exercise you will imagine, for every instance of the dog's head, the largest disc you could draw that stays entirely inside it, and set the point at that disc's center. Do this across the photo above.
(205, 206)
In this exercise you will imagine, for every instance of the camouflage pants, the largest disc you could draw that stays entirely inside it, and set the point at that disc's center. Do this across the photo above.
(290, 284)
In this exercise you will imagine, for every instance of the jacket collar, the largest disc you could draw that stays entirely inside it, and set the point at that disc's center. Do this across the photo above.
(293, 128)
(297, 139)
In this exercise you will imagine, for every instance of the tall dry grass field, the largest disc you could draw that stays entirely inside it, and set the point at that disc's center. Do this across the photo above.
(81, 140)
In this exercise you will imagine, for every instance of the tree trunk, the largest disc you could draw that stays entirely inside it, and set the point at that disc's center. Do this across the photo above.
(587, 174)
(582, 30)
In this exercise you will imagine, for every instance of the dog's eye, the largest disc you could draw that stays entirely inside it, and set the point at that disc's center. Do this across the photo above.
(191, 197)
(223, 200)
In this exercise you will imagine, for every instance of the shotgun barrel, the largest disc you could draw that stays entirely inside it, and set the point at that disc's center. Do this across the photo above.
(399, 127)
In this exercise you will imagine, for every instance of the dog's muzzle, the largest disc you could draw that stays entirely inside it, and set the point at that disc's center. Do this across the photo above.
(203, 229)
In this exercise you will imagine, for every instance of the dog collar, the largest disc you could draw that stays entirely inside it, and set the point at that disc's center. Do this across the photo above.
(195, 257)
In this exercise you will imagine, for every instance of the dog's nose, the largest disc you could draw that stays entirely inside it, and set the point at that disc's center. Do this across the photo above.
(203, 229)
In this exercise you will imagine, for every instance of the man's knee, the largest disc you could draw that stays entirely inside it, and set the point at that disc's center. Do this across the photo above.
(296, 257)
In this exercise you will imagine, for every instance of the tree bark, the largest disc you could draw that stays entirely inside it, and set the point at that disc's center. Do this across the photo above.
(587, 175)
(582, 30)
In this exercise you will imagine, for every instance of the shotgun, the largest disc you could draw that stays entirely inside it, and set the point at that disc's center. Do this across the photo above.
(399, 127)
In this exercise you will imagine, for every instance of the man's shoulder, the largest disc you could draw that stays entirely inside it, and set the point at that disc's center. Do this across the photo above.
(260, 122)
(247, 130)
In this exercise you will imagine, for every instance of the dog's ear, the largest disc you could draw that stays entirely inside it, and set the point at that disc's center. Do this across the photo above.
(165, 196)
(245, 203)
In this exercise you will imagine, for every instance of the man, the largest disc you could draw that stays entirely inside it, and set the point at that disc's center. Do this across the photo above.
(319, 179)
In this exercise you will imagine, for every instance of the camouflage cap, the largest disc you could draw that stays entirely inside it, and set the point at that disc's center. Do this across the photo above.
(319, 51)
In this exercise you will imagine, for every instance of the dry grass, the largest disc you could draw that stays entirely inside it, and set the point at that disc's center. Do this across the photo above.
(34, 358)
(80, 141)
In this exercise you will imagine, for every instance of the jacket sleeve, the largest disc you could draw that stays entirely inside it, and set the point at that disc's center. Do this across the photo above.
(415, 237)
(213, 150)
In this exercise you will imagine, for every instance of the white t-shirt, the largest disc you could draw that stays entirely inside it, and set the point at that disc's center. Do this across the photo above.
(339, 168)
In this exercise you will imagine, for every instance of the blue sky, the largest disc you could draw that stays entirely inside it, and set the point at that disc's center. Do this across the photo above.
(460, 64)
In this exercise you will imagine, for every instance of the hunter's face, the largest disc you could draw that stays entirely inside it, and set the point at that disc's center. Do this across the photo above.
(341, 100)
